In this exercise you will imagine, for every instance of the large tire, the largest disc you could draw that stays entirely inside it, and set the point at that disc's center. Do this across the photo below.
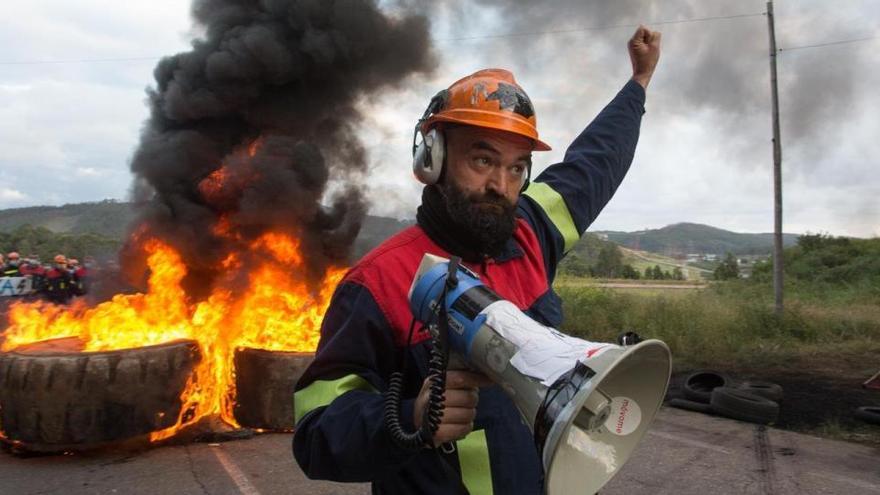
(869, 414)
(690, 405)
(264, 386)
(52, 400)
(698, 385)
(744, 406)
(767, 390)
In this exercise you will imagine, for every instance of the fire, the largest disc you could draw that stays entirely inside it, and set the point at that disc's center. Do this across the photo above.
(275, 309)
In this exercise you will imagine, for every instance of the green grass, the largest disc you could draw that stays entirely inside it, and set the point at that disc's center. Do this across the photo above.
(730, 324)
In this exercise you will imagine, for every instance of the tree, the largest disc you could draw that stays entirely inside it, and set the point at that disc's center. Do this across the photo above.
(677, 274)
(629, 272)
(657, 273)
(609, 263)
(728, 269)
(575, 266)
(649, 274)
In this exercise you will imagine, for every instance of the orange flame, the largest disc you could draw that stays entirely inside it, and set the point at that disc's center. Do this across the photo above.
(275, 310)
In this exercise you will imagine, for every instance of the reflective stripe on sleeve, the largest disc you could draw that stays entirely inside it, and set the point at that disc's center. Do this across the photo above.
(322, 392)
(473, 457)
(554, 206)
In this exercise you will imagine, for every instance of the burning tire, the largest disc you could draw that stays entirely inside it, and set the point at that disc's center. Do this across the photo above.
(53, 400)
(264, 385)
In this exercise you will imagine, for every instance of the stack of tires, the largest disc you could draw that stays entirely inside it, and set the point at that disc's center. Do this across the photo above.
(264, 386)
(712, 392)
(55, 398)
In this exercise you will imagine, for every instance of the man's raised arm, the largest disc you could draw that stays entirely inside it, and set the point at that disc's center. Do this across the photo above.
(568, 196)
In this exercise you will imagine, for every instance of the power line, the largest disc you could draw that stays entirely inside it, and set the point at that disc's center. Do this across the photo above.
(488, 36)
(597, 28)
(439, 40)
(840, 42)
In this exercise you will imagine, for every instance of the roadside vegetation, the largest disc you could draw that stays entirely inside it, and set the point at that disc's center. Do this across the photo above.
(821, 349)
(28, 240)
(832, 302)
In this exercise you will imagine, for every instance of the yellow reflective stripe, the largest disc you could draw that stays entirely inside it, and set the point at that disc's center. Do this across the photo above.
(322, 392)
(473, 457)
(554, 206)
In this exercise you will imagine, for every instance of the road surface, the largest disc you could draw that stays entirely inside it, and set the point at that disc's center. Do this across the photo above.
(684, 453)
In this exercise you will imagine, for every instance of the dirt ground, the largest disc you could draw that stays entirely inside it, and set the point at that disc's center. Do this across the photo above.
(821, 402)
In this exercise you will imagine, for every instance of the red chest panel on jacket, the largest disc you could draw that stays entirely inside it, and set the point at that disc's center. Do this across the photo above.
(388, 271)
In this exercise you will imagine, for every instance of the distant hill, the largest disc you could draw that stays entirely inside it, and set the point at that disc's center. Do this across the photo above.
(681, 239)
(107, 218)
(111, 218)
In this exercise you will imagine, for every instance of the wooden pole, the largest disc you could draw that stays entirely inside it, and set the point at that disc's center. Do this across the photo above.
(777, 169)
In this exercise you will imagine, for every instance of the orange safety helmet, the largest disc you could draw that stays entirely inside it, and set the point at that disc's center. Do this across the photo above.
(59, 258)
(488, 98)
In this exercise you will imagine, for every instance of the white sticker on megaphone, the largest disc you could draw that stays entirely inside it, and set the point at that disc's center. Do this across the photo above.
(625, 417)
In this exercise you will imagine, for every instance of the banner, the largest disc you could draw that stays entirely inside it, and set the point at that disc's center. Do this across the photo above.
(15, 286)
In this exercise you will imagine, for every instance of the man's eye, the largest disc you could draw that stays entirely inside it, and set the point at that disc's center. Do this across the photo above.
(482, 161)
(517, 170)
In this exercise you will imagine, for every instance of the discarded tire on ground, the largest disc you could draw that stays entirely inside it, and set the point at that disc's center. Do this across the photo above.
(264, 386)
(690, 405)
(766, 390)
(54, 400)
(744, 406)
(698, 385)
(869, 414)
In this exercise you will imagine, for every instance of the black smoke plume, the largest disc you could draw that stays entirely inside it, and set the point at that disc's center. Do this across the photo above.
(254, 129)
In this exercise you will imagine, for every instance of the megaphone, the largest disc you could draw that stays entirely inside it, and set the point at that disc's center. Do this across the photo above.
(588, 404)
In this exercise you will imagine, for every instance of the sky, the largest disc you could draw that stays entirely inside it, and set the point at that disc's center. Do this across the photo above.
(69, 127)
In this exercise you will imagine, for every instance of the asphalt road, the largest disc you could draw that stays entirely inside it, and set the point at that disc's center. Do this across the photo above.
(685, 453)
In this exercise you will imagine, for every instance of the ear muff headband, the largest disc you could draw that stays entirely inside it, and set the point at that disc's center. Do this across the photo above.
(429, 154)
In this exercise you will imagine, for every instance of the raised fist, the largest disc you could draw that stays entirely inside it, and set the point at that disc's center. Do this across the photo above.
(644, 52)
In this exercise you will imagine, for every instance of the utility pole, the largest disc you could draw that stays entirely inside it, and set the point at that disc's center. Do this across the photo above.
(777, 169)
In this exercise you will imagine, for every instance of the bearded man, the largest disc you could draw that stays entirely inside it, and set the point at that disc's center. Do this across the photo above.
(479, 204)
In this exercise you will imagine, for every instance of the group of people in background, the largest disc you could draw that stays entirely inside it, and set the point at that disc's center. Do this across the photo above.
(58, 282)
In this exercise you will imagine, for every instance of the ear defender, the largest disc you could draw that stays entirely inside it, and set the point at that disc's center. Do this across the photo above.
(429, 154)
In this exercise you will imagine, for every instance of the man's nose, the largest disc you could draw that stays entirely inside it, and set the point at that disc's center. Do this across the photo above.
(497, 181)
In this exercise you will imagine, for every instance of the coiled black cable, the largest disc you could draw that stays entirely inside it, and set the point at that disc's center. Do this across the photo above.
(437, 364)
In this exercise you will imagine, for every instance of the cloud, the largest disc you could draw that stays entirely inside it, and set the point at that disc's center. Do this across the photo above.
(11, 196)
(705, 151)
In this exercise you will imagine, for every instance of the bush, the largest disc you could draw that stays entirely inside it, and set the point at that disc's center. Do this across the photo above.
(46, 244)
(728, 323)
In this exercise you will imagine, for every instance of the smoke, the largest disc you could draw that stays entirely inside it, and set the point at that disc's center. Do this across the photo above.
(717, 66)
(253, 129)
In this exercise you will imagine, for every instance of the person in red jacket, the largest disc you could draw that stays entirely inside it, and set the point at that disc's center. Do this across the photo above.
(58, 281)
(479, 204)
(78, 277)
(12, 268)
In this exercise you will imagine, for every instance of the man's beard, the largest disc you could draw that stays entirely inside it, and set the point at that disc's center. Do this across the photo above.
(486, 220)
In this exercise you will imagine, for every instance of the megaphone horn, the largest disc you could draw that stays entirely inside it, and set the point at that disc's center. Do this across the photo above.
(588, 404)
